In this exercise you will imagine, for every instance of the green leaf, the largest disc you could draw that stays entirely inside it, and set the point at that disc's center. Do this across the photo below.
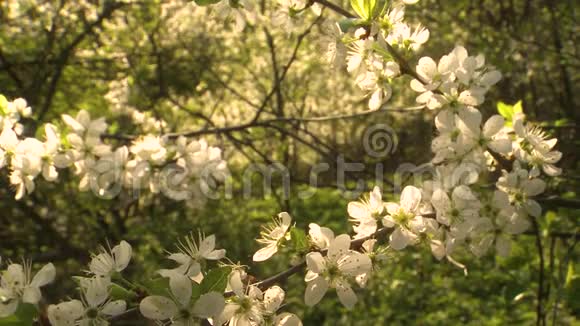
(216, 280)
(120, 293)
(381, 8)
(24, 316)
(550, 217)
(195, 291)
(370, 6)
(3, 104)
(508, 111)
(561, 122)
(358, 7)
(158, 286)
(365, 9)
(206, 2)
(517, 108)
(299, 239)
(573, 291)
(505, 110)
(569, 275)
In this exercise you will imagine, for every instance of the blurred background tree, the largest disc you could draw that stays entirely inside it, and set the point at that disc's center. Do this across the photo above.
(266, 96)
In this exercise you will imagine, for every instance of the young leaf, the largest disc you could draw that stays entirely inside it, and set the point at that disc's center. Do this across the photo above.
(509, 111)
(569, 275)
(299, 239)
(216, 280)
(370, 6)
(24, 316)
(3, 104)
(195, 291)
(158, 286)
(365, 9)
(120, 293)
(206, 2)
(505, 110)
(358, 7)
(517, 108)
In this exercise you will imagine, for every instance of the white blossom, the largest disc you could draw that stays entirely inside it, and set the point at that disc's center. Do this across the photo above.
(499, 220)
(521, 187)
(192, 254)
(246, 307)
(241, 12)
(365, 213)
(288, 15)
(272, 235)
(180, 309)
(321, 237)
(404, 217)
(94, 308)
(108, 262)
(331, 43)
(535, 148)
(488, 137)
(17, 285)
(82, 124)
(334, 271)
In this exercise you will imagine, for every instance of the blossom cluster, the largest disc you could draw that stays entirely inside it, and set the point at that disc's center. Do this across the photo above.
(287, 15)
(17, 286)
(367, 48)
(177, 167)
(96, 304)
(455, 208)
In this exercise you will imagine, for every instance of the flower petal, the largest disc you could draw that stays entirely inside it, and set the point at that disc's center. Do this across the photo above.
(315, 290)
(158, 308)
(287, 319)
(273, 298)
(399, 240)
(114, 308)
(410, 198)
(265, 252)
(236, 284)
(96, 291)
(31, 295)
(65, 313)
(534, 187)
(8, 309)
(358, 210)
(339, 246)
(493, 125)
(355, 263)
(209, 305)
(44, 276)
(122, 253)
(286, 220)
(346, 295)
(442, 204)
(181, 288)
(503, 246)
(315, 262)
(502, 146)
(207, 245)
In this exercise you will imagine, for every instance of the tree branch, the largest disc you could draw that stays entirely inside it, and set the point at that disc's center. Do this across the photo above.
(334, 8)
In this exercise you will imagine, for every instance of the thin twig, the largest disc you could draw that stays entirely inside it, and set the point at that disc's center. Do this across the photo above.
(540, 295)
